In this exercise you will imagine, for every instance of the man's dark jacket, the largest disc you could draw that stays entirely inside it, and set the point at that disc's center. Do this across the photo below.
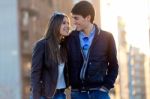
(102, 67)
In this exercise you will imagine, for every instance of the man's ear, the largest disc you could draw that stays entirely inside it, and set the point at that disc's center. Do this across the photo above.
(88, 18)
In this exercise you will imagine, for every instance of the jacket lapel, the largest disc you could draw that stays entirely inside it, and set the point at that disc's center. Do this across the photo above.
(96, 36)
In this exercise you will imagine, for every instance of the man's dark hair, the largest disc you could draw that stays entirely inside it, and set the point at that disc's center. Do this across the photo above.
(84, 8)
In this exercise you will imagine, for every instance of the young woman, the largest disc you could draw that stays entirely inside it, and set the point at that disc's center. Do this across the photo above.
(49, 76)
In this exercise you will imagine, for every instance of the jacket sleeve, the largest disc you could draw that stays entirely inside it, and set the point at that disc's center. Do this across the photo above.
(36, 69)
(112, 71)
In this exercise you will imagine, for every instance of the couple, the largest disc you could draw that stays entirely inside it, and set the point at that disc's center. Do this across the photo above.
(85, 60)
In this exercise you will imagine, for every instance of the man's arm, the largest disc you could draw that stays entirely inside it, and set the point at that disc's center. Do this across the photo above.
(112, 70)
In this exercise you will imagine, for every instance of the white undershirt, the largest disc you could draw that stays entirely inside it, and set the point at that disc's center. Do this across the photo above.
(61, 81)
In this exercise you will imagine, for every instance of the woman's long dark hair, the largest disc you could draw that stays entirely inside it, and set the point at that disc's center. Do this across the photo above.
(56, 48)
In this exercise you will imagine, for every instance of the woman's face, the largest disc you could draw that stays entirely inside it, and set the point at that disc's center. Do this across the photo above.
(64, 28)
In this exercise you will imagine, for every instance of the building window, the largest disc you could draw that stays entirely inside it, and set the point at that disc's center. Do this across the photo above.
(25, 19)
(25, 40)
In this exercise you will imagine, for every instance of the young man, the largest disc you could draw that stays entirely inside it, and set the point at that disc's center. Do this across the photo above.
(92, 56)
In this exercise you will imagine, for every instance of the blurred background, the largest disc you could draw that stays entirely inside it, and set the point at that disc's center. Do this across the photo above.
(22, 22)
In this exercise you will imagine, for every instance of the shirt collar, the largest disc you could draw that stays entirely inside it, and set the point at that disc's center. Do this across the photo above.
(91, 33)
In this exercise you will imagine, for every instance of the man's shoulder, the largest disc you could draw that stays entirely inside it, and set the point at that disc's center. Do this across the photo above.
(101, 31)
(73, 33)
(104, 32)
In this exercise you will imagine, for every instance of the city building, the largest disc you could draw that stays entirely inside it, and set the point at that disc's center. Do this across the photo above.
(10, 74)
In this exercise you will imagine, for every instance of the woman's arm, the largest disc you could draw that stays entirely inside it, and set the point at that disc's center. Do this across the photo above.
(36, 69)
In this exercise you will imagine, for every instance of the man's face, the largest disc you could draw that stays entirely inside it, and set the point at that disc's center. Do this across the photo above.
(80, 22)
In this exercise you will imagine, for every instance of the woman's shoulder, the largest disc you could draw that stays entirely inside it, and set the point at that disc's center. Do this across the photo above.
(40, 43)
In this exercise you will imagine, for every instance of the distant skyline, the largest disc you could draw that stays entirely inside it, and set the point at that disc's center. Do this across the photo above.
(135, 14)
